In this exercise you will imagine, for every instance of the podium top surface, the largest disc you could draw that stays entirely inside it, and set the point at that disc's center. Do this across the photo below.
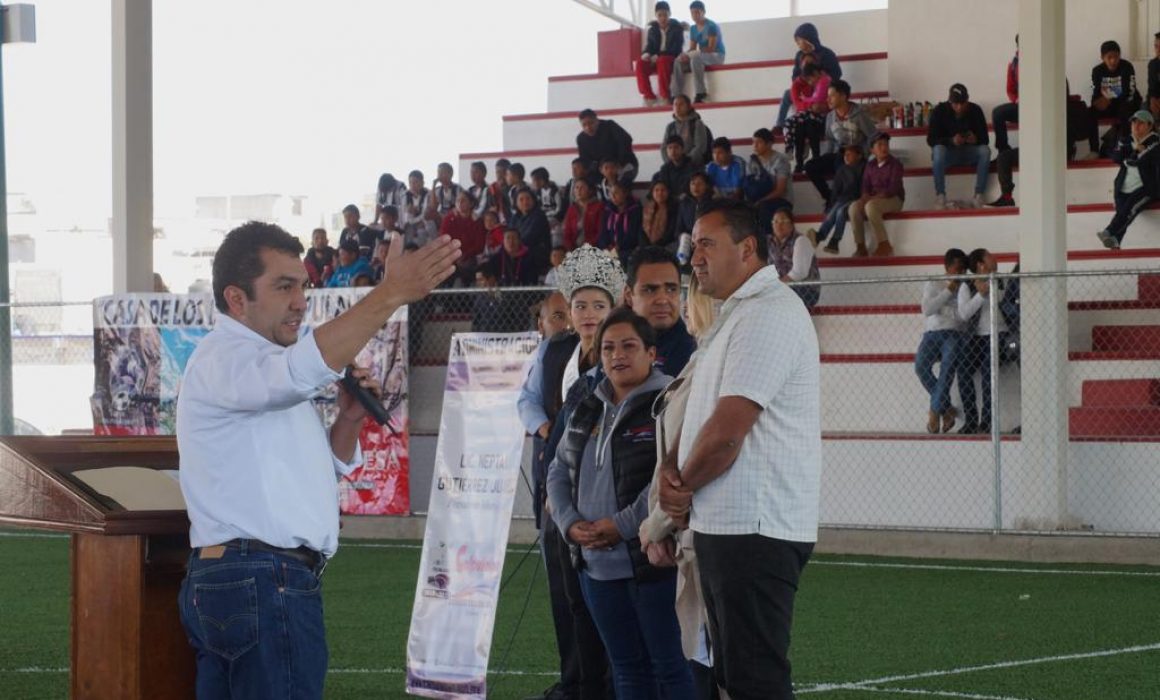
(108, 485)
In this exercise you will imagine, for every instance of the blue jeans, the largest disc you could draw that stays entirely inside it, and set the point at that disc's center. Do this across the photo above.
(949, 156)
(941, 347)
(835, 221)
(639, 627)
(783, 109)
(254, 620)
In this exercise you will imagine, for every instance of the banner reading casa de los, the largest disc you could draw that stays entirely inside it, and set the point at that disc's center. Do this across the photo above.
(141, 343)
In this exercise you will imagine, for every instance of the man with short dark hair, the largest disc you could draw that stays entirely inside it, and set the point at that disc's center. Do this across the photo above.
(444, 192)
(706, 48)
(479, 189)
(603, 139)
(354, 230)
(746, 475)
(677, 168)
(1114, 94)
(662, 46)
(258, 469)
(319, 260)
(958, 136)
(351, 264)
(653, 291)
(499, 190)
(417, 226)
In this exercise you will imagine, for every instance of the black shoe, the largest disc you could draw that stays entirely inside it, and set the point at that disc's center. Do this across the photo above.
(700, 97)
(969, 429)
(984, 429)
(1005, 200)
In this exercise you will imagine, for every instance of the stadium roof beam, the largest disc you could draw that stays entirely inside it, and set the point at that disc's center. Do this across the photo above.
(612, 9)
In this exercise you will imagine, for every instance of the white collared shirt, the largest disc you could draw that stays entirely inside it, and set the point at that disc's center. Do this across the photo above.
(256, 461)
(763, 347)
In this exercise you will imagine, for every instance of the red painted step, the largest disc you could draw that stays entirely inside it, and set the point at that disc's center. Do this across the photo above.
(1148, 287)
(1106, 421)
(1122, 393)
(1126, 339)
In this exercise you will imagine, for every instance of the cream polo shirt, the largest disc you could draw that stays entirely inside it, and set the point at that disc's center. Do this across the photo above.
(763, 347)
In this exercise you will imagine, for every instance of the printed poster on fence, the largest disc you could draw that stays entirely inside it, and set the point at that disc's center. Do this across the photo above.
(477, 472)
(142, 342)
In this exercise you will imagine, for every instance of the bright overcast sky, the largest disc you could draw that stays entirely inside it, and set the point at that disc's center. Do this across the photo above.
(309, 97)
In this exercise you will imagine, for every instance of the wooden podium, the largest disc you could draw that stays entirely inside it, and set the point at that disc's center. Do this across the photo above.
(130, 543)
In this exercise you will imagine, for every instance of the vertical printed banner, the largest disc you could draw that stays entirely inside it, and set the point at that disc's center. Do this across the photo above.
(142, 342)
(477, 472)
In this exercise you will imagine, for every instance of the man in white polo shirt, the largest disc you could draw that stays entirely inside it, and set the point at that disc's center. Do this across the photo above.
(748, 478)
(258, 470)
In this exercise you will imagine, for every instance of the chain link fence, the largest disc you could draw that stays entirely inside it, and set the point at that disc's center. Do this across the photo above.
(1039, 412)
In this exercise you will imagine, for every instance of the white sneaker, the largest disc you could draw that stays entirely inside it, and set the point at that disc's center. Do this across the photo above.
(977, 202)
(940, 201)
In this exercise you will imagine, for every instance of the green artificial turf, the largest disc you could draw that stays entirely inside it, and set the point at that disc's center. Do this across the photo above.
(864, 627)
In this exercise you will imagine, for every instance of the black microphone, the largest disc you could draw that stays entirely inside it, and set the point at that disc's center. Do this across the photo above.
(368, 400)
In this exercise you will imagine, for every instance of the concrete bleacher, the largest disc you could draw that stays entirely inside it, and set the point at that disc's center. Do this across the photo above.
(868, 332)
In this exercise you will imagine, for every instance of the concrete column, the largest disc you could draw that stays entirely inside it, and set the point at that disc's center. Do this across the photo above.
(132, 224)
(1037, 488)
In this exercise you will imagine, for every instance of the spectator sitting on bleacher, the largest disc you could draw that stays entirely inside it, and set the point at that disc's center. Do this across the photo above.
(499, 189)
(579, 172)
(513, 265)
(389, 193)
(555, 259)
(846, 123)
(444, 192)
(535, 231)
(479, 189)
(810, 99)
(958, 136)
(492, 311)
(1154, 77)
(461, 224)
(388, 223)
(726, 171)
(809, 44)
(882, 193)
(768, 179)
(700, 193)
(585, 217)
(1114, 94)
(942, 342)
(515, 184)
(493, 239)
(661, 48)
(677, 168)
(847, 189)
(1138, 181)
(694, 133)
(792, 254)
(319, 260)
(417, 228)
(350, 265)
(609, 171)
(551, 202)
(706, 48)
(622, 224)
(355, 230)
(1008, 113)
(659, 222)
(603, 139)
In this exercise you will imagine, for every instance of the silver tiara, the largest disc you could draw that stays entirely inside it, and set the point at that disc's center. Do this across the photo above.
(590, 267)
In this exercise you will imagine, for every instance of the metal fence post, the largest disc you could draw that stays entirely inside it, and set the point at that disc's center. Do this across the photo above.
(996, 441)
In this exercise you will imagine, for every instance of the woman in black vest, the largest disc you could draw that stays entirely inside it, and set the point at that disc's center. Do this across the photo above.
(598, 491)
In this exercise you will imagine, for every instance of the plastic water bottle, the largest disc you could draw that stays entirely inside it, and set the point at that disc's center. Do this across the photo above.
(685, 249)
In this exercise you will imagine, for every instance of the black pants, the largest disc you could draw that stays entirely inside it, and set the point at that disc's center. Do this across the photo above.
(1005, 164)
(1128, 207)
(820, 169)
(1122, 109)
(1001, 116)
(749, 583)
(583, 661)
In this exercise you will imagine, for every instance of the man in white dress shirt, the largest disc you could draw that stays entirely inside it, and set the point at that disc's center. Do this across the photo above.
(746, 476)
(259, 471)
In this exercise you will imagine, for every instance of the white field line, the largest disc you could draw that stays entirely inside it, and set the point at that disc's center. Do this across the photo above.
(858, 685)
(937, 693)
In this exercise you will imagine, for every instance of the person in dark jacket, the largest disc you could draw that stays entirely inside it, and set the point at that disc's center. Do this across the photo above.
(598, 490)
(808, 43)
(700, 194)
(1114, 94)
(653, 291)
(1154, 77)
(661, 48)
(494, 310)
(319, 260)
(694, 132)
(846, 190)
(958, 136)
(512, 265)
(535, 230)
(601, 139)
(678, 167)
(622, 224)
(1138, 182)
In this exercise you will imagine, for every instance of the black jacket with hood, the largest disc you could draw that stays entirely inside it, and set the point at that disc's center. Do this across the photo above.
(826, 58)
(674, 34)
